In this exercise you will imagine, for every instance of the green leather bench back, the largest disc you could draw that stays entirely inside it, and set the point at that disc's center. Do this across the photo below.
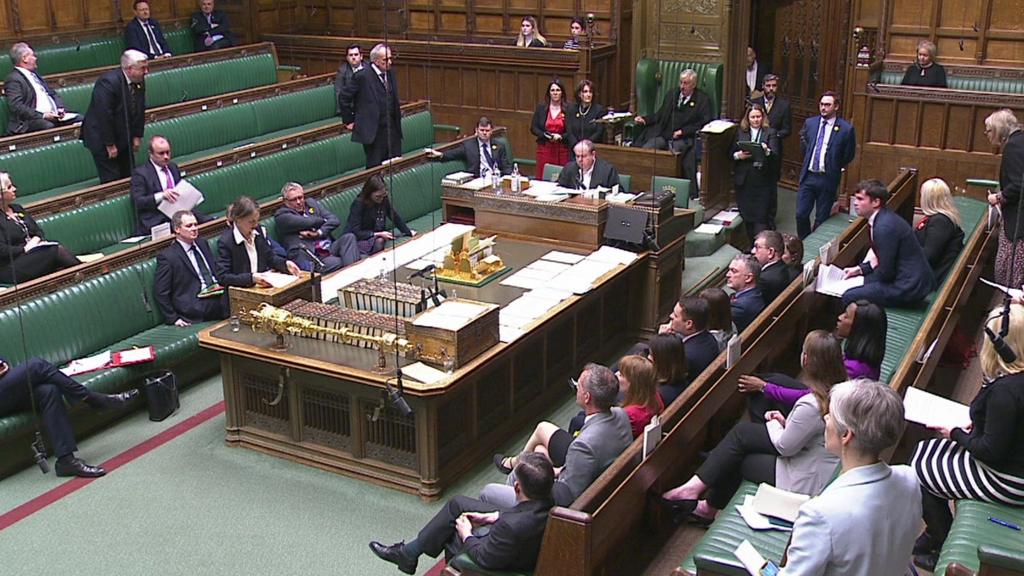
(971, 528)
(179, 41)
(656, 78)
(1000, 85)
(56, 165)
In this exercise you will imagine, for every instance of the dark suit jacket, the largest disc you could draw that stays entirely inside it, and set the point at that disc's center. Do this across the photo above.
(365, 102)
(21, 100)
(289, 223)
(513, 542)
(540, 119)
(233, 261)
(773, 280)
(605, 175)
(690, 118)
(342, 78)
(902, 265)
(842, 146)
(470, 152)
(13, 238)
(579, 126)
(145, 183)
(701, 350)
(942, 240)
(201, 29)
(362, 220)
(780, 116)
(177, 283)
(744, 172)
(1011, 174)
(110, 118)
(745, 307)
(135, 38)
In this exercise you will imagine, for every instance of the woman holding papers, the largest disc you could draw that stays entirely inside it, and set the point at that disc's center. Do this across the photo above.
(637, 383)
(24, 254)
(864, 522)
(1004, 130)
(755, 169)
(939, 232)
(985, 460)
(243, 250)
(785, 451)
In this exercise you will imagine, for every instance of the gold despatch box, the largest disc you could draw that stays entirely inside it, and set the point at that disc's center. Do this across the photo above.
(462, 345)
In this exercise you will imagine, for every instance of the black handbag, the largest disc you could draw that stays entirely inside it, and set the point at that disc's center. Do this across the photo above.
(162, 395)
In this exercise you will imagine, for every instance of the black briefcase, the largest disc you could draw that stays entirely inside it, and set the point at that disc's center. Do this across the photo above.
(162, 395)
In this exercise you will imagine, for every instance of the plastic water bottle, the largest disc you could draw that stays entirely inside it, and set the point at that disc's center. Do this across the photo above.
(496, 179)
(515, 178)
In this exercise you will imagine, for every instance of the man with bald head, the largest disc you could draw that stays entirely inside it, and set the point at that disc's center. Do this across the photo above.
(588, 171)
(153, 182)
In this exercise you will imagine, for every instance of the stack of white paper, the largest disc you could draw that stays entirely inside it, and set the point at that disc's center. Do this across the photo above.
(277, 279)
(564, 257)
(778, 503)
(934, 411)
(832, 281)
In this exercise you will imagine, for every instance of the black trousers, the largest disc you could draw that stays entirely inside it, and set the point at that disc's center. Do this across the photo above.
(35, 263)
(439, 534)
(746, 452)
(50, 388)
(110, 170)
(938, 518)
(384, 146)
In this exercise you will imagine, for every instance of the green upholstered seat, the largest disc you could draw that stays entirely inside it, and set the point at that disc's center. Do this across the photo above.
(828, 231)
(180, 40)
(999, 85)
(973, 534)
(552, 172)
(467, 567)
(656, 78)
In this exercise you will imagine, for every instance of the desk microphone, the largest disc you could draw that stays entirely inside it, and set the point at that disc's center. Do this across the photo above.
(422, 272)
(313, 257)
(395, 395)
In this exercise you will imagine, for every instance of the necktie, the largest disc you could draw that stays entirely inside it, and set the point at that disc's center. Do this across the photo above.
(170, 180)
(204, 270)
(39, 82)
(487, 153)
(816, 154)
(768, 105)
(154, 46)
(384, 80)
(732, 298)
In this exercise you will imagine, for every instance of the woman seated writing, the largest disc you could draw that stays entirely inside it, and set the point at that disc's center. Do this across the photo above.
(985, 460)
(368, 217)
(864, 522)
(939, 232)
(787, 452)
(24, 253)
(669, 357)
(862, 326)
(244, 252)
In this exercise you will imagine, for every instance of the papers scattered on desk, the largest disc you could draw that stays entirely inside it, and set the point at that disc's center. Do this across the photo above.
(934, 411)
(708, 228)
(725, 217)
(541, 187)
(717, 126)
(477, 184)
(758, 521)
(1013, 292)
(621, 197)
(450, 315)
(778, 503)
(564, 257)
(617, 115)
(614, 255)
(508, 334)
(423, 373)
(831, 280)
(277, 279)
(456, 178)
(551, 198)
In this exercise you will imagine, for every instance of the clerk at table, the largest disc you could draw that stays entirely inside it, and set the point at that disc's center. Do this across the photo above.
(588, 171)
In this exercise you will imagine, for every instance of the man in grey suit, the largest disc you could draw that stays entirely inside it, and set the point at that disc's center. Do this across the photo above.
(33, 104)
(606, 433)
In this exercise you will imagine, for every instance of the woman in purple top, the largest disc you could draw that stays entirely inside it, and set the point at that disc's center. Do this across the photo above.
(862, 327)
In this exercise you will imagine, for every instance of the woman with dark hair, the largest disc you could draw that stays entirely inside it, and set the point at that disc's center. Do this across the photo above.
(639, 387)
(368, 217)
(720, 323)
(529, 36)
(581, 121)
(24, 253)
(549, 126)
(755, 173)
(244, 252)
(785, 451)
(863, 325)
(576, 29)
(669, 357)
(793, 255)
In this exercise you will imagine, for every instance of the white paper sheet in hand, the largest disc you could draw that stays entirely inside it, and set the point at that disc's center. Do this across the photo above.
(188, 198)
(931, 410)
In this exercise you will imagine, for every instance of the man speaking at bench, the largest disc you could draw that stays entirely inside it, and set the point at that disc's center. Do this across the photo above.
(116, 118)
(588, 171)
(370, 109)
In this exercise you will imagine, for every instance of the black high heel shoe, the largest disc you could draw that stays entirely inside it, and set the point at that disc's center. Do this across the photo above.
(678, 510)
(499, 463)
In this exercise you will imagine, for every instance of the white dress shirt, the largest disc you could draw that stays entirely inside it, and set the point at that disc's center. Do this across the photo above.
(44, 104)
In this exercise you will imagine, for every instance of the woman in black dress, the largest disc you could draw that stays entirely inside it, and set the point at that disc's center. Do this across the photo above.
(939, 232)
(368, 217)
(24, 253)
(581, 121)
(755, 174)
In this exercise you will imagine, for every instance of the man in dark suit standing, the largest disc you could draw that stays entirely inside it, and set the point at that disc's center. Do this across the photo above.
(154, 182)
(896, 271)
(780, 117)
(829, 145)
(747, 300)
(210, 28)
(144, 34)
(472, 151)
(343, 77)
(689, 321)
(33, 104)
(184, 270)
(588, 171)
(113, 125)
(515, 535)
(774, 276)
(369, 107)
(681, 116)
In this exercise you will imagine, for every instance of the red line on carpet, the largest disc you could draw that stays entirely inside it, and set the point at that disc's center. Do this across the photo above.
(75, 484)
(437, 569)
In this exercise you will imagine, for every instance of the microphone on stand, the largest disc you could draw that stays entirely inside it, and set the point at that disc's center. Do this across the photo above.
(313, 257)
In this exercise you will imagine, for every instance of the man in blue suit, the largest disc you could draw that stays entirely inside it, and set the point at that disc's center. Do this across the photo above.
(747, 301)
(184, 276)
(829, 145)
(896, 272)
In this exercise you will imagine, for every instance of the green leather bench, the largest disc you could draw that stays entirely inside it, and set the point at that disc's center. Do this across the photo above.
(967, 83)
(112, 312)
(463, 565)
(179, 84)
(656, 78)
(974, 540)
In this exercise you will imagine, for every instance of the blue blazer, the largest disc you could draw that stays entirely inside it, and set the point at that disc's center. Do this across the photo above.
(903, 275)
(745, 307)
(701, 351)
(842, 147)
(135, 38)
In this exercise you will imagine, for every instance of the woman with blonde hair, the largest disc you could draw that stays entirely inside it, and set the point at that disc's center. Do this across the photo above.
(529, 36)
(638, 383)
(939, 232)
(1003, 130)
(25, 254)
(983, 460)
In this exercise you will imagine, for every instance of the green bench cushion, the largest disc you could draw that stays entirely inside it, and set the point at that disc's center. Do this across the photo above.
(656, 78)
(1000, 85)
(465, 565)
(972, 528)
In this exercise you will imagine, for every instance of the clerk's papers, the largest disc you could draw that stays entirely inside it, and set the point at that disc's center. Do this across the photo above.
(708, 228)
(423, 373)
(522, 311)
(755, 520)
(564, 257)
(477, 184)
(90, 364)
(717, 126)
(188, 198)
(615, 255)
(778, 503)
(934, 411)
(832, 281)
(277, 279)
(451, 315)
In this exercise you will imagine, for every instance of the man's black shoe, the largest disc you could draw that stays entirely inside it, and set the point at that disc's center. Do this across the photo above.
(396, 555)
(76, 467)
(112, 401)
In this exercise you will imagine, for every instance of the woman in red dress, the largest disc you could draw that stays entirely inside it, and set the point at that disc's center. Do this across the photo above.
(549, 128)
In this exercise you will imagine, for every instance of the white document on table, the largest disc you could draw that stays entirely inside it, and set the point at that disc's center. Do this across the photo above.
(524, 281)
(708, 228)
(422, 373)
(277, 279)
(778, 503)
(547, 265)
(932, 410)
(89, 364)
(188, 198)
(563, 257)
(614, 255)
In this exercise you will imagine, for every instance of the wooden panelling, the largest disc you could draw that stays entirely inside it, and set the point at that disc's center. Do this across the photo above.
(966, 31)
